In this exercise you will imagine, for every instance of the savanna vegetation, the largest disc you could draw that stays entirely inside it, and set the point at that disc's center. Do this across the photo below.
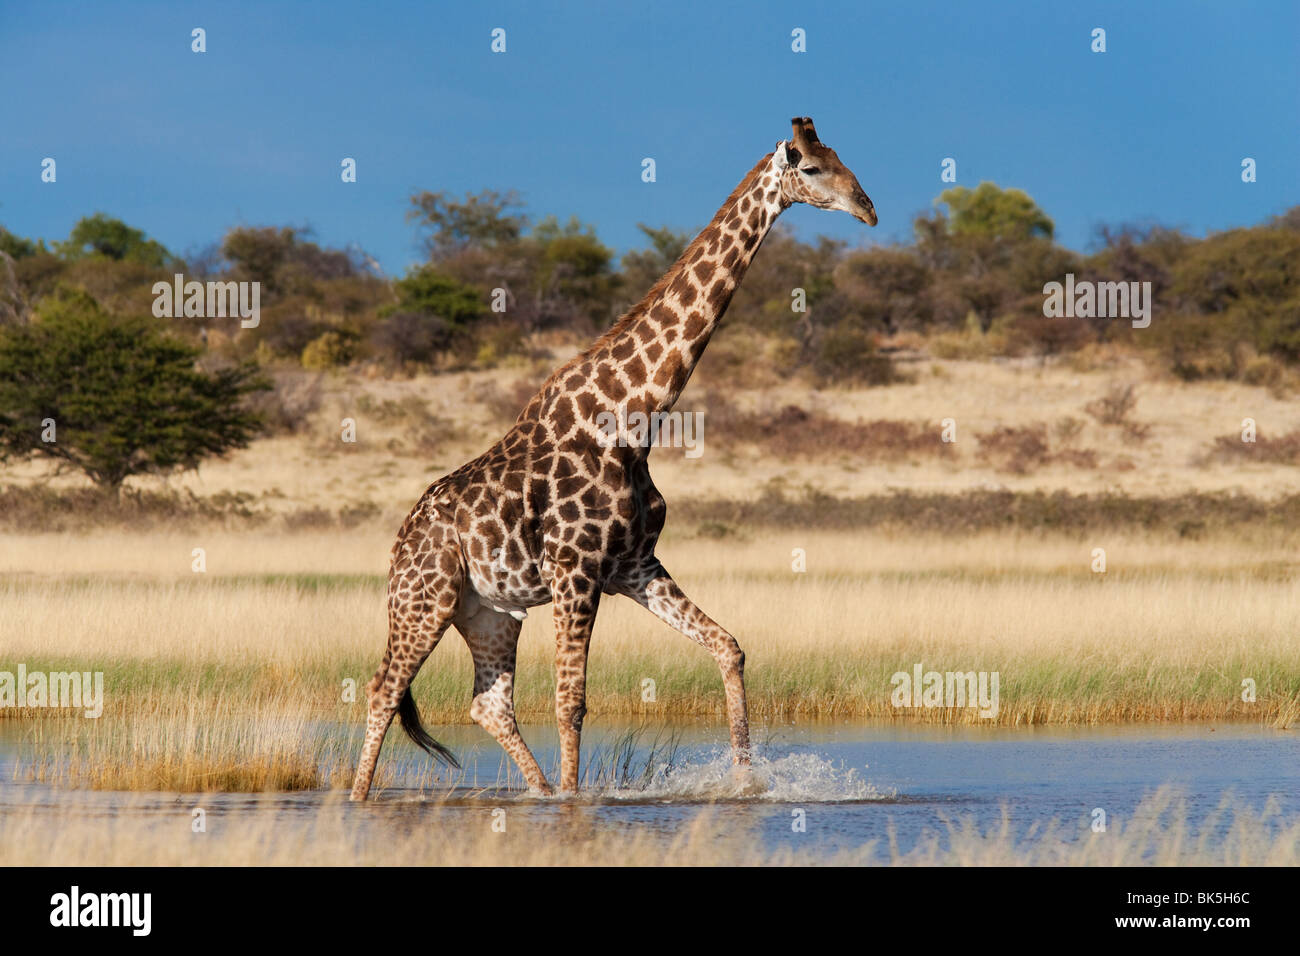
(824, 436)
(215, 680)
(501, 298)
(968, 284)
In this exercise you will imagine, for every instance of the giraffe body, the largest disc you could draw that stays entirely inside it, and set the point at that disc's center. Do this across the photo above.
(558, 513)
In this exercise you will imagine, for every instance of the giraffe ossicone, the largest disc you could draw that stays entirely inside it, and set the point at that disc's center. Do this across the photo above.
(555, 513)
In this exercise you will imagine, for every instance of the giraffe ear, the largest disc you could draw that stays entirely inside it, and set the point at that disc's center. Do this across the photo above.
(787, 155)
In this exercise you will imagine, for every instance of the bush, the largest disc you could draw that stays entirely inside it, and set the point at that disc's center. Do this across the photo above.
(846, 355)
(1277, 451)
(1017, 450)
(1114, 407)
(114, 396)
(329, 350)
(411, 337)
(288, 405)
(794, 432)
(426, 291)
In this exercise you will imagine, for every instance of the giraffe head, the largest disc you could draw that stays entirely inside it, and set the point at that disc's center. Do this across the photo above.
(812, 173)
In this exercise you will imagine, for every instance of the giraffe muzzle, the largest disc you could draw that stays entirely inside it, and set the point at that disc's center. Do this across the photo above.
(865, 211)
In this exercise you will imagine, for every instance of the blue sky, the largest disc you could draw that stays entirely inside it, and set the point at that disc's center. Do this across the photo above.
(187, 145)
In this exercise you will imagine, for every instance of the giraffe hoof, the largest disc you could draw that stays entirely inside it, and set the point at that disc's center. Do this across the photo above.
(747, 783)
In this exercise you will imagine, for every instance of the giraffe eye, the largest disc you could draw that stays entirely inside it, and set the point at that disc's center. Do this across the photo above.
(810, 170)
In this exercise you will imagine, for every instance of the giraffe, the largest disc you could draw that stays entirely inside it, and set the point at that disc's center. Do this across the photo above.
(558, 513)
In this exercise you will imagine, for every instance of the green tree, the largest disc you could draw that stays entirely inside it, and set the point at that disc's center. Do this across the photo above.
(426, 290)
(1248, 281)
(574, 280)
(988, 210)
(124, 397)
(111, 238)
(434, 313)
(18, 247)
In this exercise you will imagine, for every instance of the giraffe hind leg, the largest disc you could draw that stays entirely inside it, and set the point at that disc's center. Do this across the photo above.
(493, 640)
(423, 595)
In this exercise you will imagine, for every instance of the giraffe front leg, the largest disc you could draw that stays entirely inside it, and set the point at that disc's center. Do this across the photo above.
(575, 613)
(658, 592)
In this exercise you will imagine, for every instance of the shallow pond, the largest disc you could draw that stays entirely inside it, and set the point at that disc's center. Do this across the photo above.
(854, 782)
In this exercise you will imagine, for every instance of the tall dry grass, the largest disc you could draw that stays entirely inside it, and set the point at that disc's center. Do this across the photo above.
(1169, 632)
(211, 679)
(209, 745)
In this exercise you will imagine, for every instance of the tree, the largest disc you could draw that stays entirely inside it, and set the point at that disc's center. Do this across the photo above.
(976, 253)
(1248, 281)
(113, 239)
(282, 260)
(887, 287)
(18, 247)
(426, 290)
(574, 280)
(115, 396)
(991, 211)
(478, 221)
(433, 311)
(642, 268)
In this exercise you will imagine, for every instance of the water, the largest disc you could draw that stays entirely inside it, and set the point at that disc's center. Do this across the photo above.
(854, 782)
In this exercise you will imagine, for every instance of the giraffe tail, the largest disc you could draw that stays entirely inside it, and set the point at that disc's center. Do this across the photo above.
(410, 715)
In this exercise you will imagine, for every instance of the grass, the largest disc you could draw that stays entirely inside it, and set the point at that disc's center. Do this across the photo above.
(211, 680)
(916, 553)
(1158, 832)
(204, 748)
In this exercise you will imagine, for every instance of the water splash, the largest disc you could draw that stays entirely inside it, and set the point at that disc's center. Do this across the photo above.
(784, 778)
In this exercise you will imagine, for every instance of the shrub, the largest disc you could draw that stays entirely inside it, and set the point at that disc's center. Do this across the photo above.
(1019, 450)
(497, 343)
(1113, 408)
(329, 350)
(846, 355)
(114, 396)
(1278, 451)
(794, 432)
(288, 405)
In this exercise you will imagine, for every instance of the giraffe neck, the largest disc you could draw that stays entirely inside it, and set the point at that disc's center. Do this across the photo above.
(641, 365)
(644, 361)
(669, 329)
